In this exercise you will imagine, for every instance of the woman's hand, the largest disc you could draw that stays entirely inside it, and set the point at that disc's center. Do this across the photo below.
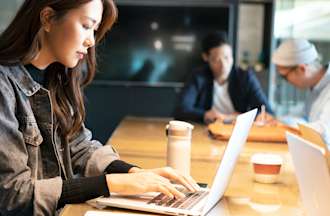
(141, 182)
(172, 175)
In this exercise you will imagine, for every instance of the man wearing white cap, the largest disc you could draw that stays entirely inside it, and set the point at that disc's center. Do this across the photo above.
(297, 61)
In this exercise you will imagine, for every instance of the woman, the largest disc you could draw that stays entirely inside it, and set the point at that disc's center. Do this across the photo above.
(47, 156)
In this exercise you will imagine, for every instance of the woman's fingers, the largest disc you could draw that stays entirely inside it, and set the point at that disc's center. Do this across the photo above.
(164, 186)
(163, 189)
(192, 182)
(182, 180)
(156, 180)
(174, 191)
(186, 181)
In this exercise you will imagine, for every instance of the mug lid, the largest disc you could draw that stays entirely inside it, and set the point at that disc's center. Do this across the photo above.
(179, 128)
(181, 124)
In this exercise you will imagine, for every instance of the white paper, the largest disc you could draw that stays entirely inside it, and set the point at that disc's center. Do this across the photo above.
(98, 213)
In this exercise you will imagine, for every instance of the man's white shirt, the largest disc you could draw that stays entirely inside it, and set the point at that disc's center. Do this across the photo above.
(317, 107)
(221, 99)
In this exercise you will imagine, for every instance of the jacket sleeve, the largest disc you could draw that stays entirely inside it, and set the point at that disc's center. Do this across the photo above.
(20, 194)
(90, 157)
(186, 109)
(256, 95)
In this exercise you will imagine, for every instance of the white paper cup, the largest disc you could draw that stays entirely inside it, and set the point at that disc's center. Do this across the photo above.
(266, 167)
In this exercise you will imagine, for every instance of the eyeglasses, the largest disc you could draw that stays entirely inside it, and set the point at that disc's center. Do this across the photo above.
(286, 71)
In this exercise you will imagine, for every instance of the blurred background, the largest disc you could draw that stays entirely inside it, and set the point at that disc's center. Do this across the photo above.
(154, 45)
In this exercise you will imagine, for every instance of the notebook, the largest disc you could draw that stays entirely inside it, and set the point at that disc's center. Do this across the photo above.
(201, 202)
(312, 173)
(266, 133)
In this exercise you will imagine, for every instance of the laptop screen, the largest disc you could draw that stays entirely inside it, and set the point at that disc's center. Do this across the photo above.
(235, 145)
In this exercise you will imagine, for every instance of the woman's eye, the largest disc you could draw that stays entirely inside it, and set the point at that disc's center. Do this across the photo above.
(86, 27)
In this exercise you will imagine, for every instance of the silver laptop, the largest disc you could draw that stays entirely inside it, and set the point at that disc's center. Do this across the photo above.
(312, 173)
(201, 202)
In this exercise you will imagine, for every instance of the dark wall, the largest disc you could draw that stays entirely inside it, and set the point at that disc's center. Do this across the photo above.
(107, 103)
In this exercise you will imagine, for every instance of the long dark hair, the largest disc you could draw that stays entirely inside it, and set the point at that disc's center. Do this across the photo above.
(20, 43)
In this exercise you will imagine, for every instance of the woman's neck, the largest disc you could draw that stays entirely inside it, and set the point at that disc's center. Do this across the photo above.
(44, 58)
(40, 62)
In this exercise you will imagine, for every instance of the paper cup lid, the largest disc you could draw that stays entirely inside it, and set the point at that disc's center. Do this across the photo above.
(266, 158)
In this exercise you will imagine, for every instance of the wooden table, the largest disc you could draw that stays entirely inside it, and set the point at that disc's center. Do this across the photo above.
(142, 141)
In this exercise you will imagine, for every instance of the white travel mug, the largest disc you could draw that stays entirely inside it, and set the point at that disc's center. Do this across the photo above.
(179, 146)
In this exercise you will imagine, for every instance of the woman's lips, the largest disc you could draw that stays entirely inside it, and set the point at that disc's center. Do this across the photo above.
(81, 55)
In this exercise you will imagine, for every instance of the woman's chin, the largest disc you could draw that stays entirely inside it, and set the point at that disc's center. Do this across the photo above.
(71, 64)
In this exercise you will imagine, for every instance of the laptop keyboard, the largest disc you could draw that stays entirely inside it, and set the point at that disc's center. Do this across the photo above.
(187, 202)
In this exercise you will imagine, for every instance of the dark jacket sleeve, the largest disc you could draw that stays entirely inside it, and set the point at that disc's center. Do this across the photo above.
(186, 109)
(256, 96)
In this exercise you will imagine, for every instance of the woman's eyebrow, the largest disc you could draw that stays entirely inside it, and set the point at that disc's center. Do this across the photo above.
(90, 18)
(94, 22)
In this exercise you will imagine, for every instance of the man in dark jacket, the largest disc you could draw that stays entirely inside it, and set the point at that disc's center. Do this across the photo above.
(218, 90)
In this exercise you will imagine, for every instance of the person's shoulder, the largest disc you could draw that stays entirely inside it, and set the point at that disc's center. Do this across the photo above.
(4, 71)
(202, 72)
(243, 71)
(6, 74)
(199, 77)
(6, 82)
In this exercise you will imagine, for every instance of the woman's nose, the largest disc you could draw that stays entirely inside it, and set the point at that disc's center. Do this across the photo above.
(89, 42)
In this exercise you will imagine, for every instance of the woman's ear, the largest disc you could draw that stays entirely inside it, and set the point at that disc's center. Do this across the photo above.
(46, 17)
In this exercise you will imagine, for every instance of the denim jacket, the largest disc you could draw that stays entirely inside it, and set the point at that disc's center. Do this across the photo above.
(31, 154)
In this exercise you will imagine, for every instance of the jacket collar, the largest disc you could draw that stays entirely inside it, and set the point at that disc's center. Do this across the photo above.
(24, 80)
